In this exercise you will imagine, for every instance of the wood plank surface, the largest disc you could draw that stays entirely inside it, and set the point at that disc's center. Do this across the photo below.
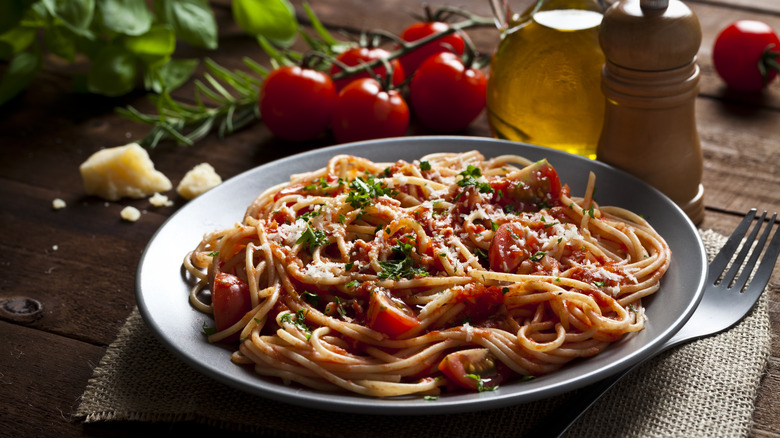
(79, 263)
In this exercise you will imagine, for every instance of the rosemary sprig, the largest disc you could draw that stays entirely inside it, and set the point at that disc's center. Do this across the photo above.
(224, 100)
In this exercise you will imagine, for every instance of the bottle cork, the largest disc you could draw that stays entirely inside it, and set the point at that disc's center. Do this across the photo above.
(650, 81)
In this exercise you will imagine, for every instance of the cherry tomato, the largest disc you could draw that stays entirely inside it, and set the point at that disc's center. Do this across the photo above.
(357, 55)
(475, 369)
(739, 51)
(389, 315)
(230, 300)
(296, 103)
(364, 111)
(417, 31)
(445, 95)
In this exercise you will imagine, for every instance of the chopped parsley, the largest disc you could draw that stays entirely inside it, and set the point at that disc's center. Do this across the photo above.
(213, 253)
(424, 165)
(209, 330)
(299, 321)
(538, 255)
(481, 383)
(402, 266)
(504, 290)
(363, 191)
(319, 182)
(311, 297)
(470, 176)
(600, 283)
(311, 239)
(310, 214)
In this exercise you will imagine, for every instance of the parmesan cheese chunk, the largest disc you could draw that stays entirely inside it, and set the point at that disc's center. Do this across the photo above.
(58, 204)
(130, 214)
(122, 171)
(159, 200)
(198, 180)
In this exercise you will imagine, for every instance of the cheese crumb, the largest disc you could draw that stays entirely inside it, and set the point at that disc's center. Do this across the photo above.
(198, 180)
(159, 200)
(130, 214)
(122, 171)
(58, 204)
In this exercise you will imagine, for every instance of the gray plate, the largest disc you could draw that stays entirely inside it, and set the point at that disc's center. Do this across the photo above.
(162, 290)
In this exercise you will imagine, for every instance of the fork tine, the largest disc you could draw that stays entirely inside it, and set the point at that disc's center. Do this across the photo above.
(735, 266)
(764, 272)
(722, 259)
(740, 283)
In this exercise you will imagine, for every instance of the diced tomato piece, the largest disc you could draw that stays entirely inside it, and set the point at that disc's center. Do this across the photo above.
(506, 251)
(389, 315)
(538, 186)
(230, 300)
(475, 369)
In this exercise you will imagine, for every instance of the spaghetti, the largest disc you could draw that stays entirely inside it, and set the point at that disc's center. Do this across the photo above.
(451, 271)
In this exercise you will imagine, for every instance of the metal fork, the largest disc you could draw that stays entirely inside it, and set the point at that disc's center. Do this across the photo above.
(726, 300)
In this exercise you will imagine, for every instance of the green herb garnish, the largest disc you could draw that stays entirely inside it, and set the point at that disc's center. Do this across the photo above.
(363, 191)
(311, 239)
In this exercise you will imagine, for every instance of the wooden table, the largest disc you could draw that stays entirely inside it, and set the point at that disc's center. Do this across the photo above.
(79, 264)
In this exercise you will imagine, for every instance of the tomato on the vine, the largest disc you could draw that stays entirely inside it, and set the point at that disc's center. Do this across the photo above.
(452, 43)
(296, 103)
(746, 55)
(364, 111)
(445, 94)
(357, 55)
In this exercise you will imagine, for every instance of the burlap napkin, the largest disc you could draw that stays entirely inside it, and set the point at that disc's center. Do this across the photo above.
(704, 388)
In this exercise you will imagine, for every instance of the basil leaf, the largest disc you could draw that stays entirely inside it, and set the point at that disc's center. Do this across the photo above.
(169, 76)
(128, 17)
(155, 46)
(273, 19)
(15, 41)
(175, 72)
(61, 41)
(192, 20)
(20, 72)
(75, 14)
(113, 72)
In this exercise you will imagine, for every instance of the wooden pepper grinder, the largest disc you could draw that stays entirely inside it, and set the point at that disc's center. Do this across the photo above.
(650, 81)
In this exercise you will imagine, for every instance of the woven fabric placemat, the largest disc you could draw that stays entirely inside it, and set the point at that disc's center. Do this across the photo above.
(705, 388)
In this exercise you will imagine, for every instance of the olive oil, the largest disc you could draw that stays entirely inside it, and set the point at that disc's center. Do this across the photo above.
(545, 78)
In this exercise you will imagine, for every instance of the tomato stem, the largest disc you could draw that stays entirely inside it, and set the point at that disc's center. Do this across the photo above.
(768, 62)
